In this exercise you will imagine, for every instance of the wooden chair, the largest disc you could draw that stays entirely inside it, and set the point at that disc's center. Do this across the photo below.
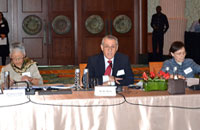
(82, 66)
(155, 67)
(1, 66)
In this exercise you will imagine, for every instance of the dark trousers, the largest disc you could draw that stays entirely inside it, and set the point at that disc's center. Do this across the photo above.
(157, 42)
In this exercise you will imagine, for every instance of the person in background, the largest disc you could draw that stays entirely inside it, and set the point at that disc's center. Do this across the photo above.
(195, 27)
(21, 68)
(110, 67)
(186, 67)
(4, 30)
(160, 25)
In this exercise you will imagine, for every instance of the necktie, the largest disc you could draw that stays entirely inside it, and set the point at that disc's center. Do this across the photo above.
(109, 68)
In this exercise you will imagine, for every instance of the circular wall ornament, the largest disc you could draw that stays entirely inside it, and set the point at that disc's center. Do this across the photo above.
(32, 24)
(94, 24)
(61, 24)
(122, 24)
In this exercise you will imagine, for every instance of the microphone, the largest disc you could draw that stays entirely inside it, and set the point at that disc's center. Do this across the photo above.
(28, 90)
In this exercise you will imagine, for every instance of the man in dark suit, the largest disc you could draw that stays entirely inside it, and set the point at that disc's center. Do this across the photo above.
(160, 25)
(110, 67)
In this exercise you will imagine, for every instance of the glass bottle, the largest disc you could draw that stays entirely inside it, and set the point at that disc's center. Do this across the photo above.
(175, 73)
(86, 78)
(6, 80)
(77, 79)
(167, 70)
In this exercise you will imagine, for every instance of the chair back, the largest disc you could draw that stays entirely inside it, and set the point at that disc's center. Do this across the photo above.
(1, 66)
(155, 67)
(82, 66)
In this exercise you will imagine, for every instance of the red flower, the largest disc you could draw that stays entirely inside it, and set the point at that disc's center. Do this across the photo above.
(161, 73)
(152, 75)
(144, 75)
(164, 75)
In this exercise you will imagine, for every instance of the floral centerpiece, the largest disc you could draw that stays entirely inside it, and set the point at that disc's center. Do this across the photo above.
(155, 82)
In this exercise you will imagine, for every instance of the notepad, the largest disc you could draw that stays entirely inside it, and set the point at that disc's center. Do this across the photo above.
(3, 41)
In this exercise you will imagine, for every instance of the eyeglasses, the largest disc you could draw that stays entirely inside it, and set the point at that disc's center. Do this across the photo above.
(109, 47)
(17, 59)
(180, 53)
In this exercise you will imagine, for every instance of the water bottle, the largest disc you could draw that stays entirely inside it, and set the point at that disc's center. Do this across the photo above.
(6, 80)
(166, 69)
(175, 73)
(77, 79)
(86, 78)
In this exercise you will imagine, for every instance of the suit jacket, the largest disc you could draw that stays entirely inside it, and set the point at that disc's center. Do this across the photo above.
(96, 66)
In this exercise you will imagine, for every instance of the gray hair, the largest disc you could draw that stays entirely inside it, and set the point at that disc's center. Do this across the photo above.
(17, 46)
(111, 37)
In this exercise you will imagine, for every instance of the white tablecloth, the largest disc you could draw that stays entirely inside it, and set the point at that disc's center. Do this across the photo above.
(32, 116)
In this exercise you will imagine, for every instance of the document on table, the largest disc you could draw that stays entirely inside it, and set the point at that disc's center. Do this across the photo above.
(192, 81)
(3, 41)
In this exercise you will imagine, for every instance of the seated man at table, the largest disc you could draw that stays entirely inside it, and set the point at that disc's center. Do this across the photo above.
(110, 67)
(21, 68)
(195, 27)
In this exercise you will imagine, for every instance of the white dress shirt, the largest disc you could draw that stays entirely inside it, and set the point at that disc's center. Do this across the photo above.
(106, 77)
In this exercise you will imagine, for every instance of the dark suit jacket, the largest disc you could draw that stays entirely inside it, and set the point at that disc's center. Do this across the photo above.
(96, 68)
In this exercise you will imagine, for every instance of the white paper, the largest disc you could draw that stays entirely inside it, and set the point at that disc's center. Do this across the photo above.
(105, 90)
(3, 41)
(192, 81)
(14, 92)
(120, 72)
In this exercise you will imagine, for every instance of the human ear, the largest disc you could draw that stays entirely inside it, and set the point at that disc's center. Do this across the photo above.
(172, 54)
(102, 47)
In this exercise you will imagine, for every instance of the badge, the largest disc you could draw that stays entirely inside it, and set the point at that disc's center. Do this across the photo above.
(188, 70)
(120, 72)
(2, 25)
(26, 74)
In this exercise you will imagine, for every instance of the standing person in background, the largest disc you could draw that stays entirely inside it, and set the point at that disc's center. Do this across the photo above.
(4, 30)
(195, 27)
(160, 25)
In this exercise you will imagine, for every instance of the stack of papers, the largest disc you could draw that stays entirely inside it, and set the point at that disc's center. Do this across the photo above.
(192, 81)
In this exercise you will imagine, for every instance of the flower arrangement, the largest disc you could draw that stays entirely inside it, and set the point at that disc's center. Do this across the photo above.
(155, 82)
(162, 76)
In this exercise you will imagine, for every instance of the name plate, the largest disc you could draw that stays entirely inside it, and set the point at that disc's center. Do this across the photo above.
(14, 92)
(105, 90)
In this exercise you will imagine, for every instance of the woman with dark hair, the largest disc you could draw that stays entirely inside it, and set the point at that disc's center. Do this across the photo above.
(4, 30)
(186, 67)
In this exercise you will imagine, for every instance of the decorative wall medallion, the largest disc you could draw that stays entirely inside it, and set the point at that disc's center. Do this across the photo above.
(32, 24)
(122, 24)
(61, 24)
(94, 24)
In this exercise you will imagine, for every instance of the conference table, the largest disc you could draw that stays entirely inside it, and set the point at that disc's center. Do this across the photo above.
(132, 109)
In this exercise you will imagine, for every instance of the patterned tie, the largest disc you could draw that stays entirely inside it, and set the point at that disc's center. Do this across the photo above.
(109, 68)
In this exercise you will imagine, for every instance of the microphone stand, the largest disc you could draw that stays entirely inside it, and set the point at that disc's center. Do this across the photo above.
(28, 90)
